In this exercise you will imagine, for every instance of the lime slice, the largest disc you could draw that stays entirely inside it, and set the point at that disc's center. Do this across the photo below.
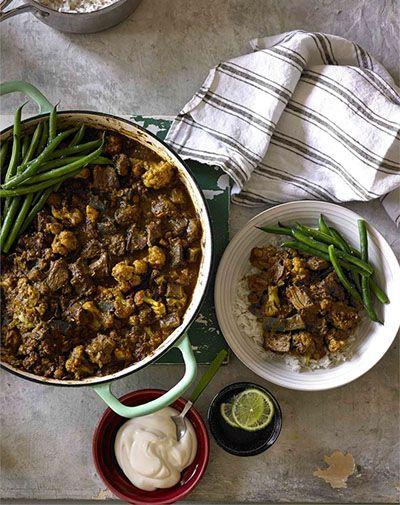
(252, 410)
(226, 413)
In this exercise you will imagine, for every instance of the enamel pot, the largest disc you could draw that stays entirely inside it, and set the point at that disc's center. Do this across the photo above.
(179, 338)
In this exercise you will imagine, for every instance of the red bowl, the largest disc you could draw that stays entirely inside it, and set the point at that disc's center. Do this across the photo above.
(114, 478)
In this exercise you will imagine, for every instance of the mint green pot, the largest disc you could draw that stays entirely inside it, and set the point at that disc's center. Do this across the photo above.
(179, 338)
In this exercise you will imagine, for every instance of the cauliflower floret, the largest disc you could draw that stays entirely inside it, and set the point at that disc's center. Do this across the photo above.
(140, 266)
(74, 216)
(77, 363)
(144, 297)
(336, 345)
(125, 275)
(64, 242)
(92, 214)
(158, 175)
(100, 350)
(122, 308)
(96, 316)
(298, 268)
(156, 256)
(272, 303)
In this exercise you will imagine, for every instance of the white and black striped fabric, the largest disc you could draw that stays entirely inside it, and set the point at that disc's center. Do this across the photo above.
(304, 116)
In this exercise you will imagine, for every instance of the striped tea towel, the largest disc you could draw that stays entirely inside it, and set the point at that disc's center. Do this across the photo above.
(304, 116)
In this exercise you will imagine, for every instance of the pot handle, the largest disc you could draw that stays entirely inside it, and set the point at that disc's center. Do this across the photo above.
(104, 390)
(28, 90)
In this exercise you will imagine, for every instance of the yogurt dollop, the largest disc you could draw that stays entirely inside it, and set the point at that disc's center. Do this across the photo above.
(148, 452)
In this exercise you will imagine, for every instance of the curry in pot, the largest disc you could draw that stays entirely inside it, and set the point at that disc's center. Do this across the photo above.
(106, 271)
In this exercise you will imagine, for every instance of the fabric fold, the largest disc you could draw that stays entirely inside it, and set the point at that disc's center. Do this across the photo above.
(304, 116)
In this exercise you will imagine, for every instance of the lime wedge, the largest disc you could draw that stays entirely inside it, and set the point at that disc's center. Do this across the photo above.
(226, 413)
(252, 410)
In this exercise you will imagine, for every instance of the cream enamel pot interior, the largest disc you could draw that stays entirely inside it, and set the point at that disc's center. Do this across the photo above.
(178, 338)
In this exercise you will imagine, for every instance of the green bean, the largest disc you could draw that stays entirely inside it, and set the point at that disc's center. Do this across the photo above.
(323, 227)
(18, 223)
(3, 156)
(366, 296)
(41, 198)
(365, 281)
(278, 230)
(344, 245)
(30, 152)
(378, 292)
(362, 230)
(78, 136)
(34, 165)
(327, 238)
(25, 190)
(101, 160)
(66, 169)
(298, 235)
(16, 147)
(300, 246)
(25, 144)
(339, 272)
(67, 151)
(52, 124)
(346, 248)
(43, 138)
(8, 221)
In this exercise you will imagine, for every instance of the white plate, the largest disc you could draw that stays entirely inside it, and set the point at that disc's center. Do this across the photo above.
(372, 339)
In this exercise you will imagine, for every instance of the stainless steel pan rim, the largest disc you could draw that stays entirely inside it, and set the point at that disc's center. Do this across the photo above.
(207, 267)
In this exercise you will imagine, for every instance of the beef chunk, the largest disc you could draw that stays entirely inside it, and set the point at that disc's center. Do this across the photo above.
(92, 249)
(113, 144)
(172, 320)
(176, 251)
(100, 268)
(58, 275)
(277, 342)
(136, 240)
(122, 164)
(107, 227)
(342, 316)
(154, 232)
(104, 178)
(162, 207)
(193, 230)
(127, 214)
(329, 288)
(80, 279)
(178, 225)
(116, 244)
(193, 254)
(264, 258)
(299, 296)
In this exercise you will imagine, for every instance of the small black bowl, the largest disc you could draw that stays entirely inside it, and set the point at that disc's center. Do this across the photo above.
(235, 440)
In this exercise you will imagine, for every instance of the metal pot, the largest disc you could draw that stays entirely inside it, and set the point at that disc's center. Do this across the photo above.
(74, 22)
(179, 337)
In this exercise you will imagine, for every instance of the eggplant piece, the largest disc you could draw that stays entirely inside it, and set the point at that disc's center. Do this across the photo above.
(279, 324)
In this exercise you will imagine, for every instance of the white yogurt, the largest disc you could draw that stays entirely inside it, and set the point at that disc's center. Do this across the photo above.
(148, 452)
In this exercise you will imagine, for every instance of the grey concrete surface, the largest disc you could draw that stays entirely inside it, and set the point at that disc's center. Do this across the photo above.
(151, 65)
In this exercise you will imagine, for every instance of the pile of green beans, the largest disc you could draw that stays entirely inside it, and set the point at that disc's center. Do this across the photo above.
(351, 265)
(33, 166)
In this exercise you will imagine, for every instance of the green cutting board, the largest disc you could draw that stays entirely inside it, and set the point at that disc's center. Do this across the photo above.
(205, 335)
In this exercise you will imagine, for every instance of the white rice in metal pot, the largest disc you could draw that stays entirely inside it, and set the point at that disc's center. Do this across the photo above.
(76, 5)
